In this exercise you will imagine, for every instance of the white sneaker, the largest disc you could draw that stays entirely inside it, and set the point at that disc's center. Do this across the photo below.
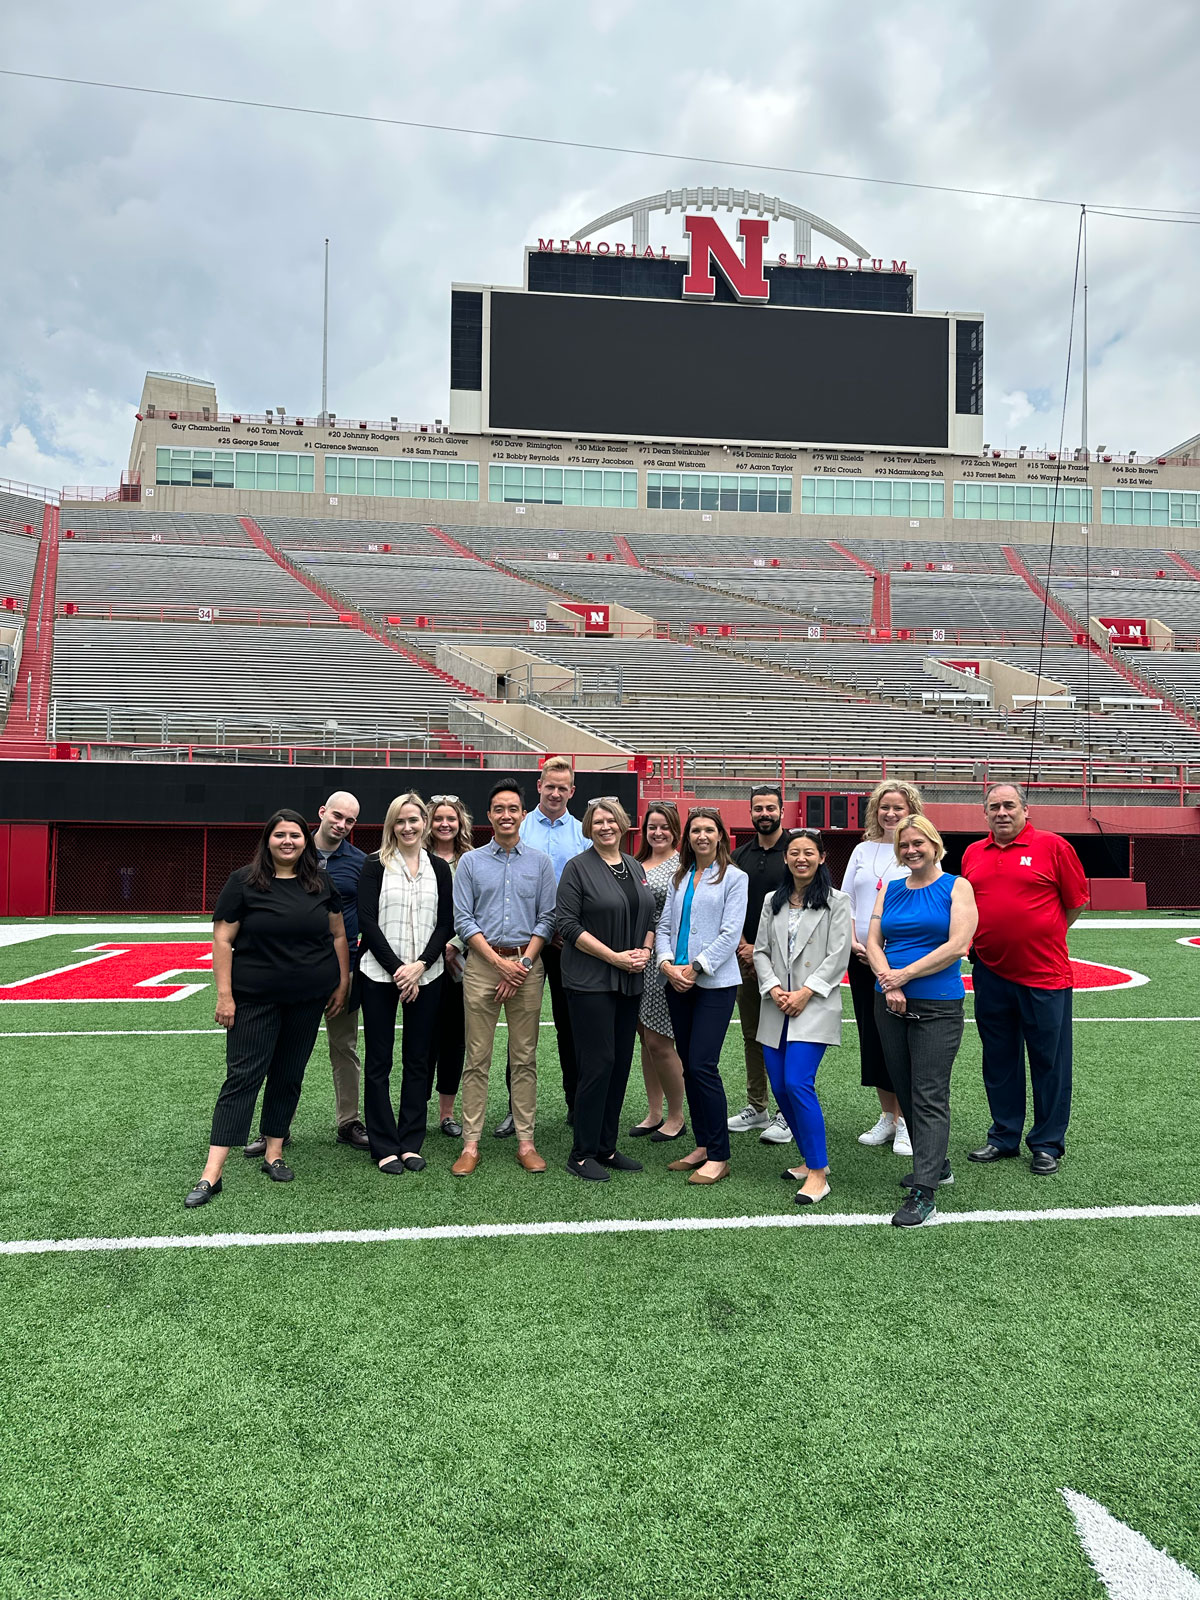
(747, 1119)
(776, 1131)
(882, 1132)
(901, 1144)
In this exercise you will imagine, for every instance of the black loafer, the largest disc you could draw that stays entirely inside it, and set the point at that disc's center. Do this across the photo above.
(354, 1133)
(1043, 1163)
(637, 1132)
(452, 1129)
(258, 1147)
(990, 1152)
(505, 1129)
(619, 1163)
(589, 1169)
(277, 1171)
(415, 1163)
(202, 1194)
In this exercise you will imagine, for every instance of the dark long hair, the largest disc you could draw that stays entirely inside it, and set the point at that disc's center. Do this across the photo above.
(687, 856)
(816, 896)
(670, 816)
(308, 868)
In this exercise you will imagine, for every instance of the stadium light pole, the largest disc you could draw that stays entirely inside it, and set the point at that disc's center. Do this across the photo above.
(325, 345)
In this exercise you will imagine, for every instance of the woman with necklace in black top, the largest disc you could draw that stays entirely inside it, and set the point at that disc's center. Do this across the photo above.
(280, 961)
(605, 913)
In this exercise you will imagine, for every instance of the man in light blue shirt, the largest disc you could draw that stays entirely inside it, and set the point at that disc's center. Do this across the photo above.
(552, 828)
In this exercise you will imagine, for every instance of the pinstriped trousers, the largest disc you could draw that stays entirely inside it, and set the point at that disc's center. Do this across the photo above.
(266, 1041)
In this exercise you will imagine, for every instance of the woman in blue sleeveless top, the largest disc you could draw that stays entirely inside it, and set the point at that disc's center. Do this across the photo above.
(921, 928)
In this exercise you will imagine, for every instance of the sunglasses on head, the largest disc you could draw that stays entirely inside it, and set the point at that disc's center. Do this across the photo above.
(604, 800)
(805, 833)
(444, 799)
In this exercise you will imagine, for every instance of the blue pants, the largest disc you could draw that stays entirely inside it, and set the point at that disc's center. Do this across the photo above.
(700, 1020)
(1014, 1019)
(792, 1069)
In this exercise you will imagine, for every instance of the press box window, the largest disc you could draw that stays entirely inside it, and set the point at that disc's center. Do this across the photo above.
(562, 486)
(235, 469)
(402, 479)
(1151, 508)
(873, 497)
(1022, 502)
(717, 491)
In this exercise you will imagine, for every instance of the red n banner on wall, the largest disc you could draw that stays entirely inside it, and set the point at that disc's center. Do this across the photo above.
(1132, 632)
(595, 618)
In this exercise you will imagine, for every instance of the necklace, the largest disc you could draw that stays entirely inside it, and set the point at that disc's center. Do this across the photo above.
(878, 872)
(620, 872)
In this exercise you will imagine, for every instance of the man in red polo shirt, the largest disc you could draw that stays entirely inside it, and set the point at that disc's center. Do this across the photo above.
(1029, 887)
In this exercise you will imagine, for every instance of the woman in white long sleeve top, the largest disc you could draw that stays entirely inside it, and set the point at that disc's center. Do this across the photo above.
(872, 867)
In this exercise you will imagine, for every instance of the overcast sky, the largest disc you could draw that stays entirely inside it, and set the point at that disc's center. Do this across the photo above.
(140, 232)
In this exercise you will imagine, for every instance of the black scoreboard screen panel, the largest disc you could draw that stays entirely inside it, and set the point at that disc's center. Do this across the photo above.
(579, 364)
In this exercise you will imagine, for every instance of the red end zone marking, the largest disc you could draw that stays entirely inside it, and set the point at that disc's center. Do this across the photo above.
(136, 972)
(1188, 941)
(1094, 975)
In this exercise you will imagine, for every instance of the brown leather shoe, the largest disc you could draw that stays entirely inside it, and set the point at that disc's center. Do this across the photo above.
(466, 1164)
(699, 1177)
(531, 1161)
(685, 1166)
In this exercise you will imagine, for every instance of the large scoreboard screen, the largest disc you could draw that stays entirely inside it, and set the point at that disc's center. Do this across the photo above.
(574, 364)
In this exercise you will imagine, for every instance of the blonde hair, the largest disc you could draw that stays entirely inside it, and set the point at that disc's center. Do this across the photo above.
(389, 849)
(911, 793)
(610, 804)
(464, 840)
(923, 825)
(557, 764)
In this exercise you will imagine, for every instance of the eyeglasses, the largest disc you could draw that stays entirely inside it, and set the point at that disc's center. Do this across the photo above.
(444, 799)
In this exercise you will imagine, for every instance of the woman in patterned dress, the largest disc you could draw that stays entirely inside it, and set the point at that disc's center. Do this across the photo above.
(661, 1066)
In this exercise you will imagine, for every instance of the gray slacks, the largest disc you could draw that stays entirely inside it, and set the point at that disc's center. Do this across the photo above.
(919, 1051)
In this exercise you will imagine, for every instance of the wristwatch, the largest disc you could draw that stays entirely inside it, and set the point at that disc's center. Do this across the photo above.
(525, 961)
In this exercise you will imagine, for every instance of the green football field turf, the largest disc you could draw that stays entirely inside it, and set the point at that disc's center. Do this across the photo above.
(808, 1412)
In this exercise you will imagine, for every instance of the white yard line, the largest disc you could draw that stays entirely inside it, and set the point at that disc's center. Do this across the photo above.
(25, 932)
(535, 1230)
(152, 1033)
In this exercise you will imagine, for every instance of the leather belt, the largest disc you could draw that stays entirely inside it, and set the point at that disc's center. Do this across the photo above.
(509, 949)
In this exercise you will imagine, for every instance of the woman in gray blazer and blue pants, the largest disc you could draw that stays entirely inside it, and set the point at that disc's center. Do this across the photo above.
(800, 958)
(605, 913)
(696, 950)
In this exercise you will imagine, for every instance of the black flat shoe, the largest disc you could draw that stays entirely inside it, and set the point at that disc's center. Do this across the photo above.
(202, 1194)
(258, 1147)
(1043, 1163)
(393, 1167)
(452, 1129)
(619, 1163)
(589, 1169)
(659, 1137)
(277, 1171)
(639, 1132)
(505, 1129)
(415, 1163)
(789, 1176)
(990, 1152)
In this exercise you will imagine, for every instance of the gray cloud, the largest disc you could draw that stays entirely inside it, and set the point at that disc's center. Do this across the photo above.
(145, 232)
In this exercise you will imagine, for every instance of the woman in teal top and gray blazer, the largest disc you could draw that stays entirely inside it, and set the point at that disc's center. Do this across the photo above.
(696, 951)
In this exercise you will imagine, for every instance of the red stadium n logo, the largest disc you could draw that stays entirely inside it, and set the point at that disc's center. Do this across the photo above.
(707, 244)
(119, 972)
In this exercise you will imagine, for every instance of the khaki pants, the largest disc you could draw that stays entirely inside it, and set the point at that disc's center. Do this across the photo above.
(749, 1002)
(523, 1014)
(341, 1034)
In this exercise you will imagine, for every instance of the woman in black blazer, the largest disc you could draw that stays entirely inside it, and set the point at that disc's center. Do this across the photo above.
(605, 914)
(406, 915)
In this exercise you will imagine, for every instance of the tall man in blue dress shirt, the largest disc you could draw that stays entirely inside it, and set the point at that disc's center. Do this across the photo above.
(504, 914)
(552, 828)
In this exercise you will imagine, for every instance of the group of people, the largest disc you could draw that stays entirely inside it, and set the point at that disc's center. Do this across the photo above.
(662, 945)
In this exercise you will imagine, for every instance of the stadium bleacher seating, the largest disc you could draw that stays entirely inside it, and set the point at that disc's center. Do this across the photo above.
(889, 555)
(1175, 603)
(668, 600)
(21, 509)
(131, 682)
(985, 601)
(18, 558)
(447, 588)
(843, 597)
(321, 533)
(141, 577)
(683, 550)
(120, 522)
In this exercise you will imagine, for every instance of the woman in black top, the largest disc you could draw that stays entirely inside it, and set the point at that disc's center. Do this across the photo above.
(605, 914)
(280, 960)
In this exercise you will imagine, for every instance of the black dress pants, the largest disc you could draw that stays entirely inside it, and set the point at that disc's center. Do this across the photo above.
(1014, 1020)
(391, 1135)
(450, 1037)
(875, 1074)
(605, 1027)
(920, 1047)
(271, 1041)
